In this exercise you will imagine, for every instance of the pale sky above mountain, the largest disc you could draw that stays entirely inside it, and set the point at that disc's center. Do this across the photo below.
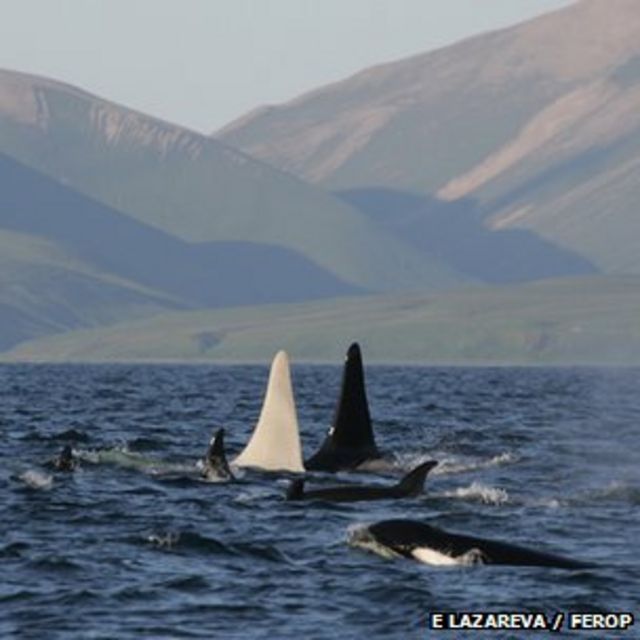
(202, 63)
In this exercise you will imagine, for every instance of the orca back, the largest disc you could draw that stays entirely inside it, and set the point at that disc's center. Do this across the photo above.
(405, 537)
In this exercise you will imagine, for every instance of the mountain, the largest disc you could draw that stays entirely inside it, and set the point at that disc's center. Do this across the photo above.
(46, 290)
(534, 129)
(69, 261)
(199, 190)
(591, 320)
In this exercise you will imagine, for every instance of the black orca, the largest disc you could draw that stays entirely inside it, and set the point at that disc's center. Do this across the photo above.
(438, 547)
(411, 485)
(350, 440)
(215, 466)
(65, 461)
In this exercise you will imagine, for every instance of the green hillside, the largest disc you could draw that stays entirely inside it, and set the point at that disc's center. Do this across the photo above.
(195, 188)
(572, 321)
(45, 290)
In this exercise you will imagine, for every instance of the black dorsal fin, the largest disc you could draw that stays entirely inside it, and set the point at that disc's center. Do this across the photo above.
(413, 483)
(66, 460)
(350, 440)
(216, 459)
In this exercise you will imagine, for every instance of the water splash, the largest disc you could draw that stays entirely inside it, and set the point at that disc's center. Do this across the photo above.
(37, 479)
(449, 465)
(478, 492)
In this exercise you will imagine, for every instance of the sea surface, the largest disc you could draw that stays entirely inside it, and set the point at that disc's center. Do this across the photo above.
(134, 545)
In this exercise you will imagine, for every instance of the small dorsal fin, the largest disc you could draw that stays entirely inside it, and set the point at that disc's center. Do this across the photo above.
(66, 461)
(275, 442)
(350, 440)
(413, 483)
(216, 458)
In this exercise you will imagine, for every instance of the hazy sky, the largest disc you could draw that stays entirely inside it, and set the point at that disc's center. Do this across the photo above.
(202, 63)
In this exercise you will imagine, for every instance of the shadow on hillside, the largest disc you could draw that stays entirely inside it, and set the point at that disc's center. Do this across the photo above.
(455, 233)
(207, 274)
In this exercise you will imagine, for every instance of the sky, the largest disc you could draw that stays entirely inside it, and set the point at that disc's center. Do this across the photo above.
(203, 63)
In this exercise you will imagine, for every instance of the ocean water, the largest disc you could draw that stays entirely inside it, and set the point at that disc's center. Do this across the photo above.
(132, 545)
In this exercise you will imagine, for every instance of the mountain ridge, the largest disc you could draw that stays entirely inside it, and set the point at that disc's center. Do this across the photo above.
(198, 189)
(524, 121)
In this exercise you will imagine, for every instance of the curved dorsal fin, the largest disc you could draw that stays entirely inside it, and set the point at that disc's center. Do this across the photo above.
(275, 442)
(413, 483)
(350, 440)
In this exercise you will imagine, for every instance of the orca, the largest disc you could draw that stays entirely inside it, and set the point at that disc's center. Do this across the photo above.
(275, 442)
(350, 440)
(434, 546)
(411, 485)
(215, 466)
(65, 461)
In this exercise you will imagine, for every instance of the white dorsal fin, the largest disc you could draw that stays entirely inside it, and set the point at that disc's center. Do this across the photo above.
(275, 442)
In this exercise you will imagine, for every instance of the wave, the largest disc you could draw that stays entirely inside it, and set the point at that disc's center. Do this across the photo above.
(193, 542)
(187, 541)
(613, 492)
(188, 584)
(619, 491)
(448, 465)
(122, 456)
(253, 495)
(478, 492)
(548, 503)
(36, 479)
(14, 550)
(71, 435)
(55, 564)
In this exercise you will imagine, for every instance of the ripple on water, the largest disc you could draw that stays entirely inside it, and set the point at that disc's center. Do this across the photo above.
(133, 545)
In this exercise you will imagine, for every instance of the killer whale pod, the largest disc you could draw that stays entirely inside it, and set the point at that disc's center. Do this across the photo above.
(275, 442)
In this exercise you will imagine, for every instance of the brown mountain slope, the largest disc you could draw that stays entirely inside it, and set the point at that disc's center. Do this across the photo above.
(538, 125)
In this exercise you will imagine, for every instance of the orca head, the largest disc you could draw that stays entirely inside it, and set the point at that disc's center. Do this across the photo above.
(215, 460)
(350, 440)
(402, 536)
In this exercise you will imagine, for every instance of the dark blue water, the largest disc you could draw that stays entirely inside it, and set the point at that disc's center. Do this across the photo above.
(130, 547)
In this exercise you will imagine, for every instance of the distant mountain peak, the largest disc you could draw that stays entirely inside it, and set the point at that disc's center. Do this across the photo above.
(536, 127)
(116, 125)
(32, 100)
(581, 40)
(21, 99)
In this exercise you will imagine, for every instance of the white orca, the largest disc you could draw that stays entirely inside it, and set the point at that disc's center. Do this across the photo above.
(350, 441)
(215, 466)
(275, 443)
(411, 485)
(434, 546)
